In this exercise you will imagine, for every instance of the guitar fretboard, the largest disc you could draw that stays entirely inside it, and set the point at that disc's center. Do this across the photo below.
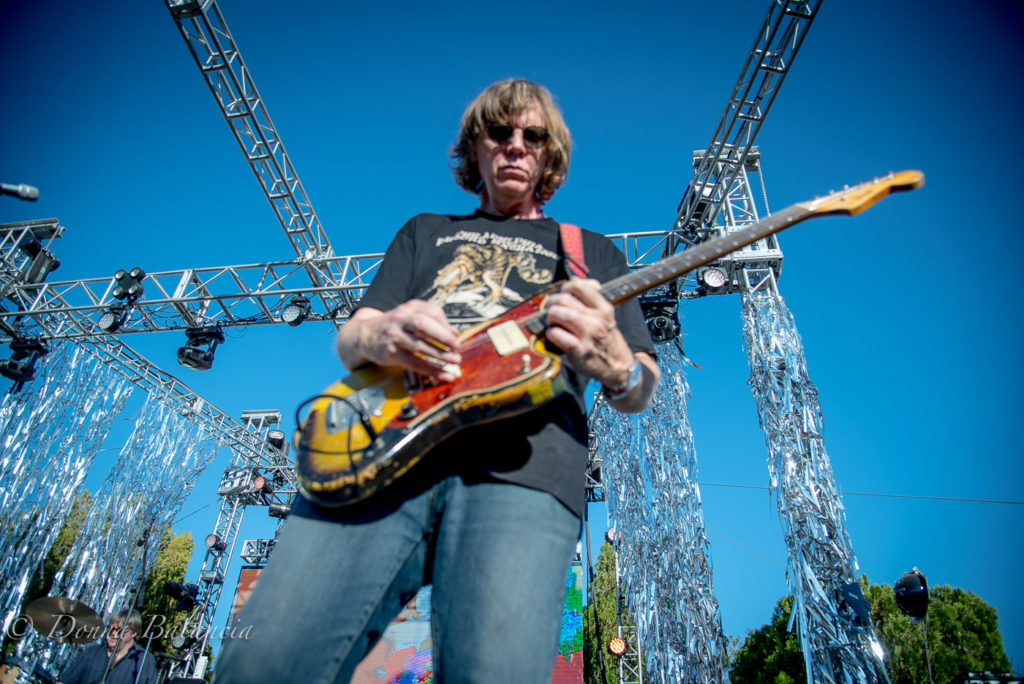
(626, 286)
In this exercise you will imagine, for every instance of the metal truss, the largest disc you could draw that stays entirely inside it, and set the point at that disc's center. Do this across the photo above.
(268, 480)
(249, 294)
(228, 296)
(206, 33)
(769, 60)
(631, 669)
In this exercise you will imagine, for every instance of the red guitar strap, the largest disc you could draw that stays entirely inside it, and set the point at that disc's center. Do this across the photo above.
(572, 247)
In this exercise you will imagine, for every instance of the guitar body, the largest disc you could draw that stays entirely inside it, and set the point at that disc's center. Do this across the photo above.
(370, 428)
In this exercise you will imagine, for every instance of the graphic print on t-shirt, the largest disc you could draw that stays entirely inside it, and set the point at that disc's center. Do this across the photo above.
(474, 285)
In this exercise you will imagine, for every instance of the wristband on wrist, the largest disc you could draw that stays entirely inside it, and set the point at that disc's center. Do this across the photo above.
(636, 374)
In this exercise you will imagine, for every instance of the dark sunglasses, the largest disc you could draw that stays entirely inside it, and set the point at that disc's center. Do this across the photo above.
(533, 136)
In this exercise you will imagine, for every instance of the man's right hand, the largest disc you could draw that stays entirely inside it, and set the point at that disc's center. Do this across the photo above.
(415, 335)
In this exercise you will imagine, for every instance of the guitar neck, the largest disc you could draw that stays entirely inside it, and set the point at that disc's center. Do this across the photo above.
(627, 286)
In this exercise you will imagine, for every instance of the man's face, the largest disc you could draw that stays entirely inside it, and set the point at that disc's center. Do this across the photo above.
(512, 169)
(114, 632)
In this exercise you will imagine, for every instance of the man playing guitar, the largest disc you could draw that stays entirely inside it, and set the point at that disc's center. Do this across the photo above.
(492, 517)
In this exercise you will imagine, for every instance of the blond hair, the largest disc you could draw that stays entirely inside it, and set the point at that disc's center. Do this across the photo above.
(499, 103)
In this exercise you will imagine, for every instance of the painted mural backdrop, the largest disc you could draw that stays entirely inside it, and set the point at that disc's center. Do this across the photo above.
(403, 654)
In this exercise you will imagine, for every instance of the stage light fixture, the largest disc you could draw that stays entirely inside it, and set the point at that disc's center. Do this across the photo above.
(215, 543)
(911, 594)
(661, 312)
(182, 641)
(185, 594)
(275, 438)
(21, 367)
(198, 351)
(617, 646)
(129, 284)
(279, 510)
(712, 278)
(296, 311)
(260, 483)
(113, 318)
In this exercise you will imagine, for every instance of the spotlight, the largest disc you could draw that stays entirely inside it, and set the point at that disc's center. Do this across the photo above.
(186, 594)
(113, 318)
(296, 311)
(43, 260)
(276, 439)
(129, 284)
(279, 510)
(712, 279)
(198, 351)
(260, 483)
(215, 543)
(911, 594)
(617, 646)
(182, 641)
(21, 366)
(662, 316)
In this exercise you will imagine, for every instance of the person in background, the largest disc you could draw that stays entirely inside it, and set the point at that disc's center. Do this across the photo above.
(129, 662)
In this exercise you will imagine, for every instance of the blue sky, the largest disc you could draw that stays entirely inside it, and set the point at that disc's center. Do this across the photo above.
(906, 311)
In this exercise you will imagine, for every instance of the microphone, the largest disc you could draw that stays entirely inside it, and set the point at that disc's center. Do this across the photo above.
(28, 193)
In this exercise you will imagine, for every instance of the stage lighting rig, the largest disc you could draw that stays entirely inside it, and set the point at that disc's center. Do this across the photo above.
(296, 311)
(215, 543)
(21, 366)
(113, 318)
(198, 351)
(661, 311)
(183, 642)
(712, 279)
(279, 510)
(276, 438)
(186, 595)
(129, 284)
(911, 594)
(43, 260)
(617, 646)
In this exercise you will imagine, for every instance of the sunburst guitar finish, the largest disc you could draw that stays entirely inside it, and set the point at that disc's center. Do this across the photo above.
(369, 429)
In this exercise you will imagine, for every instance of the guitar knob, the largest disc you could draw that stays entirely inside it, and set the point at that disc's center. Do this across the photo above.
(525, 368)
(409, 411)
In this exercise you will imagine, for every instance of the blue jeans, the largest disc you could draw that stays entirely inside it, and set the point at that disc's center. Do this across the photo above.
(496, 554)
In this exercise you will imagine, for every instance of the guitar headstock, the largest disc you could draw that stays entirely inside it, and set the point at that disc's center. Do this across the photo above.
(858, 198)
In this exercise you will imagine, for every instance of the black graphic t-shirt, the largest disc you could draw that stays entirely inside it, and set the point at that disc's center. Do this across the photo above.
(475, 268)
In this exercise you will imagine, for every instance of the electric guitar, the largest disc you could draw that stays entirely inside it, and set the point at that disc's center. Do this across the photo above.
(369, 429)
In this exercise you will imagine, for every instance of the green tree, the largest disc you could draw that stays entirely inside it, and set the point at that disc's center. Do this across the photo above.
(60, 548)
(604, 597)
(770, 653)
(963, 636)
(160, 616)
(158, 610)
